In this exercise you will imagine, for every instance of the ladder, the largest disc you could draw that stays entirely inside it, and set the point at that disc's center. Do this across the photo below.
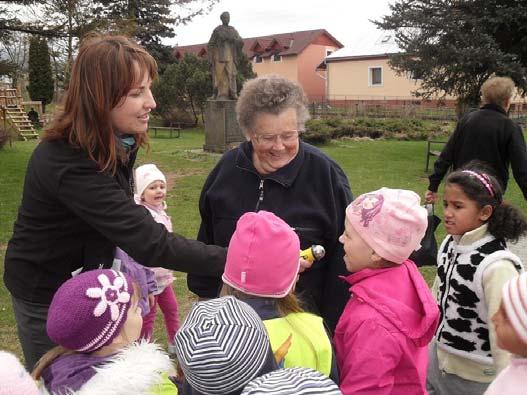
(13, 112)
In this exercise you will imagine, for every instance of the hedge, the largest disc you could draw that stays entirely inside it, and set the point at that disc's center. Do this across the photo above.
(323, 130)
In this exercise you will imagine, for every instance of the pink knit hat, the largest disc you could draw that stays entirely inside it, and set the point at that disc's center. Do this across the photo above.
(263, 256)
(88, 311)
(391, 222)
(514, 297)
(14, 379)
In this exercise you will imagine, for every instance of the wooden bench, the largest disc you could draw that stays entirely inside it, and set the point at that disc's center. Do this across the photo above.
(170, 129)
(432, 151)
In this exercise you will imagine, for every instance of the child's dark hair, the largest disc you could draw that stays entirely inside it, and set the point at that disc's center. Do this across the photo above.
(480, 185)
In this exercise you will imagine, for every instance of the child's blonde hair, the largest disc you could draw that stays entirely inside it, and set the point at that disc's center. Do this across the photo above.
(58, 351)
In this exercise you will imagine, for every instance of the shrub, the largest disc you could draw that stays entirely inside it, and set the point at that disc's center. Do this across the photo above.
(318, 131)
(322, 130)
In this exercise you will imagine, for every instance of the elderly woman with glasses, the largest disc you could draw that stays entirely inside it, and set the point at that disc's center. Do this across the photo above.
(275, 171)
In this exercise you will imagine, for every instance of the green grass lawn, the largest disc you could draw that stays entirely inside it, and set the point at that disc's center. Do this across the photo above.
(368, 164)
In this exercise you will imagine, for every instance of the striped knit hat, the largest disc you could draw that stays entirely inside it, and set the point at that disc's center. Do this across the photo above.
(222, 345)
(88, 311)
(514, 297)
(292, 381)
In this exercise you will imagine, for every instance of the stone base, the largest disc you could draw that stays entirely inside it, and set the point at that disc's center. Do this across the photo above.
(221, 128)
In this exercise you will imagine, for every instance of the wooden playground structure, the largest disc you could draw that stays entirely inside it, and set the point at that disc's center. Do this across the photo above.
(13, 114)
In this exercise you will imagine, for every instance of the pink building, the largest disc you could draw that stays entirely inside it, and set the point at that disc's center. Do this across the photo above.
(294, 55)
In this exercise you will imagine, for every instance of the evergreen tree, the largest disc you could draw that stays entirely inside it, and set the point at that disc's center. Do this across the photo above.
(183, 87)
(453, 46)
(40, 77)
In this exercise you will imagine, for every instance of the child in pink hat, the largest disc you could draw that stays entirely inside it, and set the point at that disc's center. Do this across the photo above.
(95, 320)
(262, 269)
(155, 282)
(14, 379)
(510, 322)
(382, 336)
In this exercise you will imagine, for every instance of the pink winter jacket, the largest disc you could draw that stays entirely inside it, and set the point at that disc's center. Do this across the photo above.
(382, 336)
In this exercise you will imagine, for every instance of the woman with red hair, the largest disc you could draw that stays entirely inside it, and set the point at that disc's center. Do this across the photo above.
(77, 201)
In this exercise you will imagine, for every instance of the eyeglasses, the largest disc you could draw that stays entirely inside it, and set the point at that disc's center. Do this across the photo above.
(269, 139)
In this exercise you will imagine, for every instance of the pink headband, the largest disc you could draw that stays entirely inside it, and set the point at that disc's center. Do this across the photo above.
(484, 179)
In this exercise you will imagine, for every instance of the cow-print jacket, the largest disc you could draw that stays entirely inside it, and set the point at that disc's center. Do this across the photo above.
(463, 329)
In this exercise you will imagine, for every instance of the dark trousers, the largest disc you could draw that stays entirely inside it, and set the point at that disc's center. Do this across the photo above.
(31, 326)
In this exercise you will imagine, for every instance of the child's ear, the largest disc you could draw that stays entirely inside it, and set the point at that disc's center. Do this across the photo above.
(485, 212)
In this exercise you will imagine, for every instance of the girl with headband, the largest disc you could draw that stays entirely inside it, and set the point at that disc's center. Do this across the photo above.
(473, 264)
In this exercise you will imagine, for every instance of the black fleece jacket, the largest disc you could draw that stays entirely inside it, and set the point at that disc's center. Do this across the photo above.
(490, 136)
(310, 193)
(72, 215)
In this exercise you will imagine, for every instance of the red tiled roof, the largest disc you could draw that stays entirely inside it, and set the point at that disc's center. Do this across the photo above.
(291, 43)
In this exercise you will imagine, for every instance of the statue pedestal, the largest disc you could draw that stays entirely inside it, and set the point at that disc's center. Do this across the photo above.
(221, 128)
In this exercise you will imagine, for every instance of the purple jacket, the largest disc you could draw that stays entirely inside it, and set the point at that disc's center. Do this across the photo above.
(143, 276)
(382, 336)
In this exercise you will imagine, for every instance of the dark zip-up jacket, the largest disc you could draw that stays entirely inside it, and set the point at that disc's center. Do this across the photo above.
(490, 136)
(72, 215)
(310, 193)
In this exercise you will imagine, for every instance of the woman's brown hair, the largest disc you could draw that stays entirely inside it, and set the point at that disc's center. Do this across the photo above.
(105, 70)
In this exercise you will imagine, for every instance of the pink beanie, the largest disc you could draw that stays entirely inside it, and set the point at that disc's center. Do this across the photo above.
(14, 379)
(514, 297)
(391, 222)
(263, 256)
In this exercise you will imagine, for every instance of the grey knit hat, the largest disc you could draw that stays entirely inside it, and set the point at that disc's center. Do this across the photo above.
(292, 381)
(222, 345)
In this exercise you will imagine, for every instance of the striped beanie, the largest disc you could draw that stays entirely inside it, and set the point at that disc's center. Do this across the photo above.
(88, 311)
(222, 345)
(514, 297)
(14, 379)
(292, 381)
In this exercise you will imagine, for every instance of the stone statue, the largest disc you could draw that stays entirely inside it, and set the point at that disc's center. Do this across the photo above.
(224, 51)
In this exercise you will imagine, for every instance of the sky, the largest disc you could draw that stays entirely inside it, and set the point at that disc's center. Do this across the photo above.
(346, 20)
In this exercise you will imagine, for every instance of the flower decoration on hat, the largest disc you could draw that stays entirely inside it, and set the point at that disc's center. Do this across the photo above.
(368, 206)
(111, 296)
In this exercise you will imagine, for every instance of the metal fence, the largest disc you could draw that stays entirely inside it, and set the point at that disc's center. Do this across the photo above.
(397, 107)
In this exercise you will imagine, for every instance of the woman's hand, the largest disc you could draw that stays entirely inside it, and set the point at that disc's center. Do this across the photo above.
(431, 197)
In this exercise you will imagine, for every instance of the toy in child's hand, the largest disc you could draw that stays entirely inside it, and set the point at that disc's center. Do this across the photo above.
(313, 253)
(282, 351)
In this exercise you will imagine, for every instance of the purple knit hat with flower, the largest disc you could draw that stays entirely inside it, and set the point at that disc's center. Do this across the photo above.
(88, 311)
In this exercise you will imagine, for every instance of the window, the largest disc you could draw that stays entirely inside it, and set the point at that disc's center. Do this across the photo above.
(413, 75)
(277, 57)
(258, 59)
(329, 52)
(374, 76)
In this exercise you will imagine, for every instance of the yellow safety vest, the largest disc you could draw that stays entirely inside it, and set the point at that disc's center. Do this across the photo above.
(165, 387)
(310, 345)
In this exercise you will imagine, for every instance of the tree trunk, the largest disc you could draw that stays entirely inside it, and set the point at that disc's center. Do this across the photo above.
(464, 105)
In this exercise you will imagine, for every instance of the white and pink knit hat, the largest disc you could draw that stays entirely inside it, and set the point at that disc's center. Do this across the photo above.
(515, 303)
(390, 221)
(14, 379)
